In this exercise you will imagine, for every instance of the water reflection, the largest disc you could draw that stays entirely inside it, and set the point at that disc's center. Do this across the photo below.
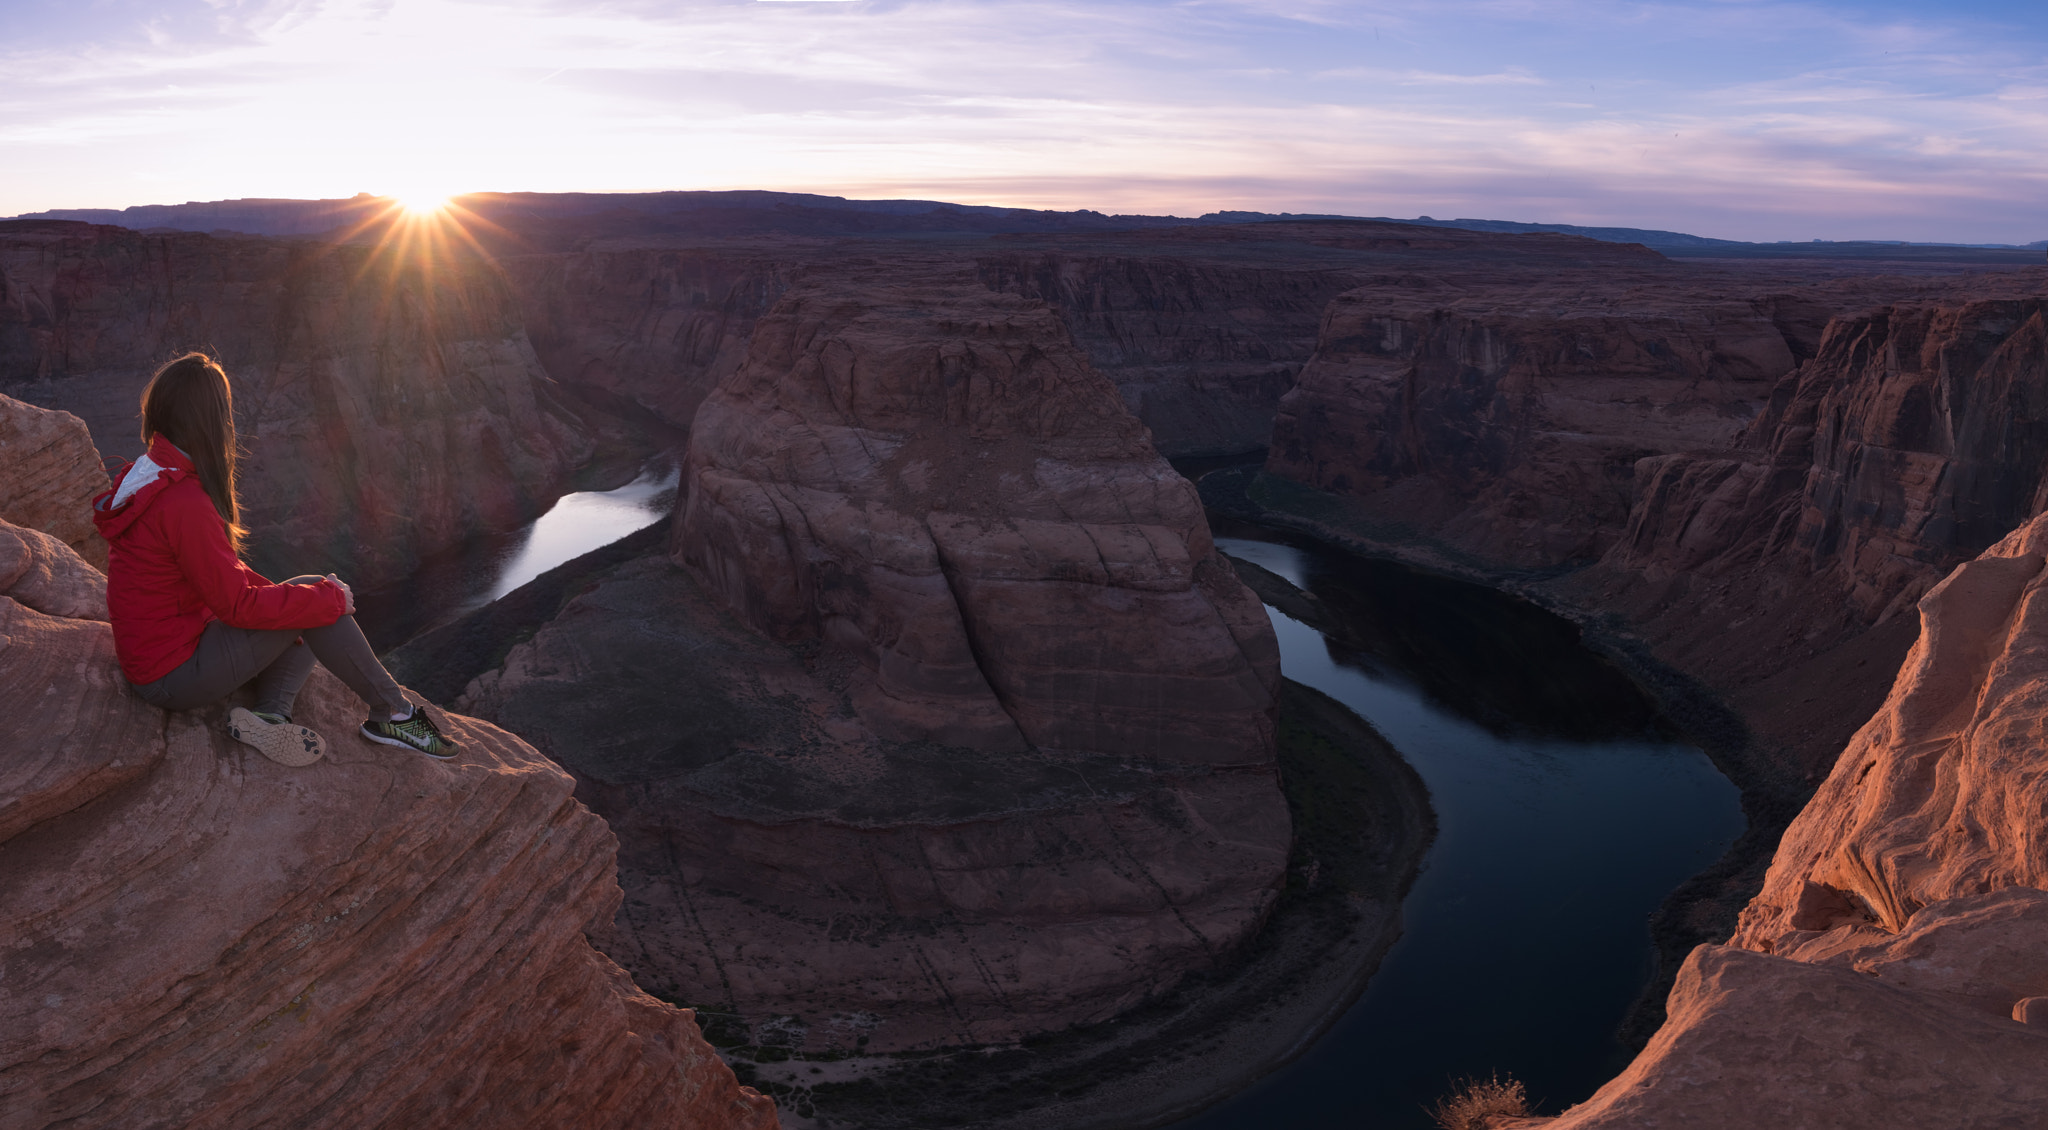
(584, 521)
(1563, 822)
(457, 583)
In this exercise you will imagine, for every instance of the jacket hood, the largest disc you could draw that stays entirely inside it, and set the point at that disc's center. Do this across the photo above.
(138, 484)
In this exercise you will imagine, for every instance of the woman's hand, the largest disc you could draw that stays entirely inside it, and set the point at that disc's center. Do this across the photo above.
(348, 595)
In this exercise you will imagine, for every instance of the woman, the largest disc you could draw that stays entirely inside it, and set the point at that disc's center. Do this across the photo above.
(191, 622)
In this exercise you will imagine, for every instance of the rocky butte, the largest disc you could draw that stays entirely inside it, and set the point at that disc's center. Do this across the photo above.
(940, 721)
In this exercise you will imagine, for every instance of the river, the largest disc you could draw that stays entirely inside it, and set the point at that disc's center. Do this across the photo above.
(451, 585)
(1564, 819)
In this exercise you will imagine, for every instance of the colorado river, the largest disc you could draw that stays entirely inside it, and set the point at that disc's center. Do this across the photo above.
(1563, 817)
(1563, 822)
(454, 584)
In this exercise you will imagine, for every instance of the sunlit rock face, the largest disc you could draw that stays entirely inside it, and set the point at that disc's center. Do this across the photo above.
(941, 723)
(198, 937)
(52, 472)
(389, 407)
(1893, 972)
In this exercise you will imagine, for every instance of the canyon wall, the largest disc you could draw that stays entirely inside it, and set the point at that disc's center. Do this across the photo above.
(1913, 440)
(942, 723)
(388, 401)
(1201, 347)
(1507, 419)
(196, 936)
(657, 326)
(1893, 972)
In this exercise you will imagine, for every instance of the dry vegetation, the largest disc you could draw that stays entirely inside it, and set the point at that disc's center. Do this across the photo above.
(1475, 1103)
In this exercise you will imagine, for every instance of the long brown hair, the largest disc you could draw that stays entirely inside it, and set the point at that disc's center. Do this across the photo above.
(189, 403)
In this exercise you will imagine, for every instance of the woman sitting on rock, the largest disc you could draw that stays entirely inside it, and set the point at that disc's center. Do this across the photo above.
(191, 622)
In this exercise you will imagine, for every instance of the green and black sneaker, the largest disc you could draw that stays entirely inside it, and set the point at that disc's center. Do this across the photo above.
(417, 732)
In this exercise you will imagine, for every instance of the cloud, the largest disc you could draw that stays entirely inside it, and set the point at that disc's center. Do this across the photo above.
(1747, 119)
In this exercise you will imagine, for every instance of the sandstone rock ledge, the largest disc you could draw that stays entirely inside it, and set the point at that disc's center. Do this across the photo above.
(197, 937)
(1894, 969)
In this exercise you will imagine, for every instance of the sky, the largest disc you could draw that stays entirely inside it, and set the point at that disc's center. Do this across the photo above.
(1741, 119)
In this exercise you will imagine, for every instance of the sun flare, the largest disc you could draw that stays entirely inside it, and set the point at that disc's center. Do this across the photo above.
(421, 204)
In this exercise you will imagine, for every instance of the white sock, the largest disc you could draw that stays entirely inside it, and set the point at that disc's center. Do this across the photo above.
(404, 716)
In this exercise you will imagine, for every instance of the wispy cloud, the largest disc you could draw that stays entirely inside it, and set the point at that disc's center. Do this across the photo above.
(1747, 118)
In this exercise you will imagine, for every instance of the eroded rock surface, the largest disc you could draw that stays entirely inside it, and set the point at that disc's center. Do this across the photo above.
(388, 410)
(658, 326)
(52, 472)
(198, 937)
(1201, 343)
(1887, 974)
(935, 479)
(945, 724)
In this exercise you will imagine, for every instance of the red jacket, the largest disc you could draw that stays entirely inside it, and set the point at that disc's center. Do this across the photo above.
(171, 571)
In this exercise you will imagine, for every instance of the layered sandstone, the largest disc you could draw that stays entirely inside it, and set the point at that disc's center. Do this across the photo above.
(1913, 440)
(654, 325)
(1892, 972)
(389, 403)
(935, 479)
(1202, 345)
(953, 728)
(1507, 419)
(52, 472)
(198, 937)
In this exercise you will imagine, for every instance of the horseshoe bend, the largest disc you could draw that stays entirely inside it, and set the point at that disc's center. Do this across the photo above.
(934, 754)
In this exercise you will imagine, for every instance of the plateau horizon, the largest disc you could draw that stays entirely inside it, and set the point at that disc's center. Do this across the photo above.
(346, 217)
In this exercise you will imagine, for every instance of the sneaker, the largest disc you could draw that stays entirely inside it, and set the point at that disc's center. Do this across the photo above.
(276, 738)
(417, 733)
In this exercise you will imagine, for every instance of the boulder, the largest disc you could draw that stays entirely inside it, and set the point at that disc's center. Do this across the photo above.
(52, 472)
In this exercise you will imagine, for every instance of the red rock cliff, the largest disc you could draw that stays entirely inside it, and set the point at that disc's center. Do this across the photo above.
(936, 479)
(654, 325)
(1202, 345)
(1893, 972)
(1506, 415)
(389, 406)
(198, 937)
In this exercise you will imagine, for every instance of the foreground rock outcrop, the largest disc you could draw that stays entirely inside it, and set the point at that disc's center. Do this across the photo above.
(195, 936)
(52, 472)
(388, 401)
(1894, 970)
(943, 723)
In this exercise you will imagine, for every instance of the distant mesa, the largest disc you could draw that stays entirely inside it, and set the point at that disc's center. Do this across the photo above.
(543, 219)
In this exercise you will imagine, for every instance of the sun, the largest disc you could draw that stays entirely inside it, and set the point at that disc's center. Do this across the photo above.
(422, 203)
